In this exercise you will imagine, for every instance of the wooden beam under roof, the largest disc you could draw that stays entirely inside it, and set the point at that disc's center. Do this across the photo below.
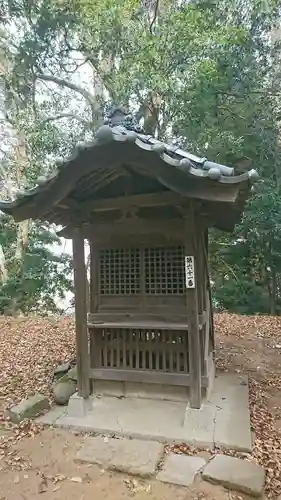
(217, 193)
(137, 200)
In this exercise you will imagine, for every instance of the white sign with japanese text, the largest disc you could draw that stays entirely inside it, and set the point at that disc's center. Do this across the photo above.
(189, 271)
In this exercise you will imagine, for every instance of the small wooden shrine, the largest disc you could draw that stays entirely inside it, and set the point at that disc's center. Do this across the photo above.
(145, 207)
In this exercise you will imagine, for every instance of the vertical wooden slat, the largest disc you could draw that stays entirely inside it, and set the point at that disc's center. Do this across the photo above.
(157, 349)
(186, 352)
(150, 349)
(142, 351)
(131, 346)
(137, 350)
(105, 348)
(124, 334)
(171, 350)
(118, 348)
(111, 347)
(82, 349)
(164, 350)
(95, 347)
(178, 357)
(192, 314)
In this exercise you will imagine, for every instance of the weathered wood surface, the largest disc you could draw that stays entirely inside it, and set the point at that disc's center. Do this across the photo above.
(193, 318)
(82, 353)
(144, 376)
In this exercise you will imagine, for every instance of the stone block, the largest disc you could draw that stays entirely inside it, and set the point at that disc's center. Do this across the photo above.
(180, 469)
(126, 455)
(28, 408)
(156, 391)
(236, 474)
(78, 406)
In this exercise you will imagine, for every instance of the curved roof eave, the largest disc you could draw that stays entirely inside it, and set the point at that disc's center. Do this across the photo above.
(170, 165)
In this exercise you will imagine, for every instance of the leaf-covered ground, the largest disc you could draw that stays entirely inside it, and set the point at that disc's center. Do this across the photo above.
(30, 349)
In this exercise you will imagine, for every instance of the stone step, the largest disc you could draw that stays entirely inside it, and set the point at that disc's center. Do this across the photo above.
(237, 474)
(132, 456)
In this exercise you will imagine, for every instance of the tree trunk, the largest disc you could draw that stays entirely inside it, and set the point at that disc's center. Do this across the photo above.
(273, 292)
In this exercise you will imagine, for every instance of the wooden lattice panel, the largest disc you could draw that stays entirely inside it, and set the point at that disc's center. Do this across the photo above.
(149, 271)
(160, 350)
(164, 270)
(119, 271)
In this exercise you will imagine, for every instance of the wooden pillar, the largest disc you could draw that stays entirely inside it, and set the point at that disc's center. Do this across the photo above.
(95, 354)
(80, 281)
(192, 314)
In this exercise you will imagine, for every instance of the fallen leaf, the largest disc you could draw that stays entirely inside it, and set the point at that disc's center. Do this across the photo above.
(29, 358)
(76, 479)
(43, 485)
(58, 478)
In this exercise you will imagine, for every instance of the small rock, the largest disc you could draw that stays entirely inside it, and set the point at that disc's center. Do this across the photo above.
(61, 369)
(63, 389)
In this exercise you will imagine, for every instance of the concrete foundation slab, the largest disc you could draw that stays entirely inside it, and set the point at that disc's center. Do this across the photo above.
(215, 424)
(235, 389)
(52, 415)
(126, 455)
(237, 474)
(180, 469)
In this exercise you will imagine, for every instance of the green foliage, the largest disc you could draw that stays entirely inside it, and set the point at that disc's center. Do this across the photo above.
(40, 278)
(205, 72)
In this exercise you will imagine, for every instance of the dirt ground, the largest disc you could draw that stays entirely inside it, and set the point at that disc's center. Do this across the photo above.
(38, 463)
(52, 468)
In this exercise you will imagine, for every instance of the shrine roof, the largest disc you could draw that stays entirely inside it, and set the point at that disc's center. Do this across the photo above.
(119, 150)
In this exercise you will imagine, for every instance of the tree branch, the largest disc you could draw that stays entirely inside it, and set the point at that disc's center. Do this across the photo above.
(65, 83)
(67, 115)
(154, 16)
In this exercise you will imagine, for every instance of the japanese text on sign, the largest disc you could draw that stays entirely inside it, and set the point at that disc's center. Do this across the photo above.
(189, 271)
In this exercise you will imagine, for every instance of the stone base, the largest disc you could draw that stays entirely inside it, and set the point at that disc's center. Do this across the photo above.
(224, 420)
(140, 390)
(78, 406)
(28, 408)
